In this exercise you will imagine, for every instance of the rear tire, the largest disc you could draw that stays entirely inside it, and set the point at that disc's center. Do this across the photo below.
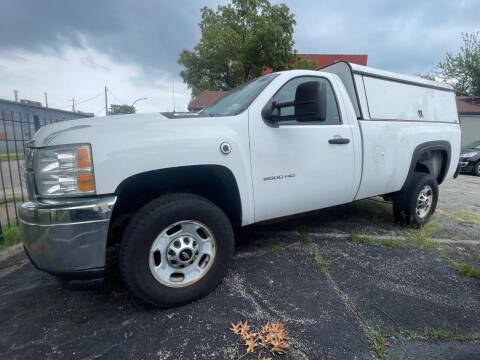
(173, 236)
(417, 202)
(476, 169)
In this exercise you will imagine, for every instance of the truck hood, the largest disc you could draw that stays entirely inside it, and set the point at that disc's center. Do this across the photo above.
(82, 130)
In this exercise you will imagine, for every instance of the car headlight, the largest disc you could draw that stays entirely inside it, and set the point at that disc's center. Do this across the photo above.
(65, 170)
(468, 154)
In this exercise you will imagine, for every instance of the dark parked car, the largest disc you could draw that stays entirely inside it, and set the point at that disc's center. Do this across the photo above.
(470, 158)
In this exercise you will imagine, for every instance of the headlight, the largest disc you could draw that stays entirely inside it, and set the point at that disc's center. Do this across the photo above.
(468, 154)
(65, 170)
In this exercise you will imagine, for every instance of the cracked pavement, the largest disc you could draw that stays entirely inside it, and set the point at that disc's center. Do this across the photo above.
(274, 277)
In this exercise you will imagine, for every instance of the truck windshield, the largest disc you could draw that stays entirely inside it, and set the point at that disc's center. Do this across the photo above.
(238, 99)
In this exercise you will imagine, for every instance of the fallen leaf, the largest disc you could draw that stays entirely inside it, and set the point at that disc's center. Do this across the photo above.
(251, 344)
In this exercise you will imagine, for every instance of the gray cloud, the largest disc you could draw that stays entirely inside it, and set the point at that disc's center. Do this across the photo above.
(407, 36)
(148, 33)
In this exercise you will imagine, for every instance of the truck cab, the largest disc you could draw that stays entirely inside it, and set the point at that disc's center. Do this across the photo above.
(171, 188)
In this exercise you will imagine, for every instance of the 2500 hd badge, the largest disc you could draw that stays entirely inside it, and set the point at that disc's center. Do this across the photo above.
(278, 177)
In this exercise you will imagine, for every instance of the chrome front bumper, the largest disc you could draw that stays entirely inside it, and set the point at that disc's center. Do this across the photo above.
(68, 237)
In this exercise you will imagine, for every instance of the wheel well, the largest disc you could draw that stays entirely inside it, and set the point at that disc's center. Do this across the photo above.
(214, 182)
(433, 162)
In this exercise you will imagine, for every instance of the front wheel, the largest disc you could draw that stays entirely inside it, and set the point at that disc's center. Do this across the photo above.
(417, 203)
(176, 249)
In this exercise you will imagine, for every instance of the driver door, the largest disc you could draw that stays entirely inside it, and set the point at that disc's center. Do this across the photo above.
(301, 166)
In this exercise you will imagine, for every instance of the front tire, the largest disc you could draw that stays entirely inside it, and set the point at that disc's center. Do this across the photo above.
(176, 249)
(417, 203)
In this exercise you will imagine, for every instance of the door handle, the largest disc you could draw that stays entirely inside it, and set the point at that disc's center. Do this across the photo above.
(339, 140)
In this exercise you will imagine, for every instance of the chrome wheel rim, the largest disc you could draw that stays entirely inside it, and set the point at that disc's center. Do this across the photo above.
(424, 201)
(182, 253)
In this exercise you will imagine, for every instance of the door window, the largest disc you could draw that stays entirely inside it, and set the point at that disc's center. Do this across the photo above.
(287, 94)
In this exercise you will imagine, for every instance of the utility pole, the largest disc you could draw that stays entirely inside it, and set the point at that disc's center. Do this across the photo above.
(15, 93)
(73, 104)
(173, 91)
(106, 101)
(46, 100)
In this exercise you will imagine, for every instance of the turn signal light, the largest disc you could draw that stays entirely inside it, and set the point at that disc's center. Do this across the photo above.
(83, 158)
(85, 182)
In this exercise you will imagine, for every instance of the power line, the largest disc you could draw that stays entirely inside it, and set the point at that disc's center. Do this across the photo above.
(99, 111)
(83, 101)
(89, 99)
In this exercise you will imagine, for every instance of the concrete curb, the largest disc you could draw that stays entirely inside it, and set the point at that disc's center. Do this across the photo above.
(11, 256)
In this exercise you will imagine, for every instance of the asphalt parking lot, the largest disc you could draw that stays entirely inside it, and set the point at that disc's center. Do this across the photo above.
(392, 292)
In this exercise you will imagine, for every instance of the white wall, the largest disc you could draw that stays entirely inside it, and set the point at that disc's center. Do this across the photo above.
(470, 125)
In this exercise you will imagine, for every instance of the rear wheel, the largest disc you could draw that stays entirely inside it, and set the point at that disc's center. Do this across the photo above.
(476, 168)
(417, 203)
(176, 249)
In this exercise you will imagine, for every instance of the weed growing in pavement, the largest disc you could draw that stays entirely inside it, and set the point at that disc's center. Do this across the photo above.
(419, 240)
(360, 238)
(305, 239)
(379, 345)
(320, 262)
(443, 334)
(467, 269)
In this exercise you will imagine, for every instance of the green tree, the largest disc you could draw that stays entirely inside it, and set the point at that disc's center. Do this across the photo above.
(428, 76)
(237, 42)
(307, 63)
(462, 70)
(121, 109)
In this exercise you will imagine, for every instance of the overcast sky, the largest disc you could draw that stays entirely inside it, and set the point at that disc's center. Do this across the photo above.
(72, 48)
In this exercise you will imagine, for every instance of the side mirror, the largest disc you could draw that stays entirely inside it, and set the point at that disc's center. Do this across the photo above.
(311, 101)
(271, 111)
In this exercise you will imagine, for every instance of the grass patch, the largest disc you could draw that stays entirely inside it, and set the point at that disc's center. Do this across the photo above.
(416, 240)
(390, 242)
(430, 229)
(10, 200)
(468, 217)
(462, 216)
(360, 238)
(11, 156)
(379, 346)
(11, 236)
(443, 334)
(467, 269)
(419, 240)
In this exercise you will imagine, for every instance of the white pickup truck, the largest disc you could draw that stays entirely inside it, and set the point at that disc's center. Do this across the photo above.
(171, 188)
